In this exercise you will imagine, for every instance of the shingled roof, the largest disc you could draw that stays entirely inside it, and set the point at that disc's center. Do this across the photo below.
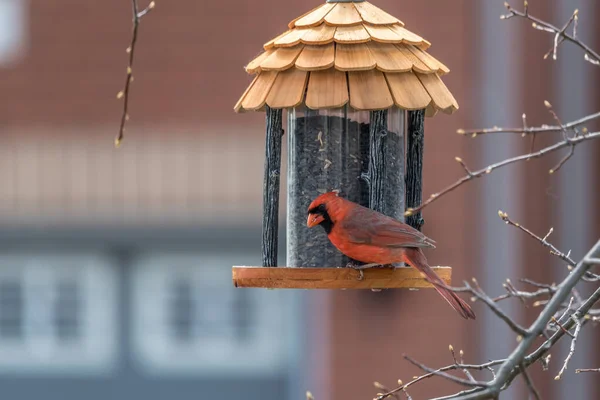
(347, 52)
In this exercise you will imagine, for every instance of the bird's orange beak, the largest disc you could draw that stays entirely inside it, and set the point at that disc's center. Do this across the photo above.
(314, 220)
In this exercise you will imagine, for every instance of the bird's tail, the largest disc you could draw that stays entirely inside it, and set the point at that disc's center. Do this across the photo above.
(416, 259)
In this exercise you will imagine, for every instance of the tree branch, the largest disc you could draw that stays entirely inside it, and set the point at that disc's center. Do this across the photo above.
(508, 370)
(569, 142)
(559, 34)
(544, 242)
(529, 382)
(532, 130)
(587, 370)
(124, 94)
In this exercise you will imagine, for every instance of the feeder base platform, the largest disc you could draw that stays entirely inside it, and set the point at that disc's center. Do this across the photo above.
(334, 278)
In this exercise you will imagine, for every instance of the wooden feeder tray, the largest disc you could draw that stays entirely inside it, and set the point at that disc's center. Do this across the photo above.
(334, 278)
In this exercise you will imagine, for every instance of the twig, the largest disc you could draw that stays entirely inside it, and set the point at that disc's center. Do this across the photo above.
(560, 34)
(587, 370)
(537, 284)
(524, 295)
(567, 309)
(124, 94)
(478, 367)
(571, 349)
(508, 369)
(439, 372)
(530, 130)
(479, 294)
(544, 242)
(479, 173)
(385, 389)
(529, 383)
(465, 371)
(561, 326)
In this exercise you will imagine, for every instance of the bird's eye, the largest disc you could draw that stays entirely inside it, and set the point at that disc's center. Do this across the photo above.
(322, 207)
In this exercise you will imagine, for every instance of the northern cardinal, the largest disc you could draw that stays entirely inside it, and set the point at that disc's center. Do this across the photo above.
(376, 239)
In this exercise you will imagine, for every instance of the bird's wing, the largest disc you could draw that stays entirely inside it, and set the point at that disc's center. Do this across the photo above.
(364, 226)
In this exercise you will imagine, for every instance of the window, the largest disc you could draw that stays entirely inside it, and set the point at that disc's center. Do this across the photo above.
(57, 313)
(11, 309)
(67, 310)
(13, 21)
(188, 318)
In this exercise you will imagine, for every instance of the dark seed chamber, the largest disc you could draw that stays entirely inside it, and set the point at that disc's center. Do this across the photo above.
(330, 150)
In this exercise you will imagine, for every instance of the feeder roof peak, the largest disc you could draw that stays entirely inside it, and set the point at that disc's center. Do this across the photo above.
(347, 52)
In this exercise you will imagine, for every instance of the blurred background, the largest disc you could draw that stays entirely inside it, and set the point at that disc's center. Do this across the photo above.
(115, 277)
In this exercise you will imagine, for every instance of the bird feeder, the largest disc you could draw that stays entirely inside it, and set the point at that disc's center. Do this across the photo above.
(356, 86)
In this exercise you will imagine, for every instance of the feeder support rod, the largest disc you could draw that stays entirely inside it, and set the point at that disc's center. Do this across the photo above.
(377, 160)
(414, 165)
(271, 183)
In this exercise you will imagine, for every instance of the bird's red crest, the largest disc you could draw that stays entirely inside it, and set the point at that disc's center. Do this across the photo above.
(325, 198)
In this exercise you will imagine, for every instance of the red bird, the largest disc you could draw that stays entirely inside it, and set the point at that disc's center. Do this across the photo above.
(376, 239)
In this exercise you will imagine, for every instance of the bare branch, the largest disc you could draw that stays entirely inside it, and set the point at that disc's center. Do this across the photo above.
(533, 130)
(529, 383)
(561, 326)
(478, 367)
(480, 295)
(587, 370)
(559, 34)
(575, 335)
(443, 374)
(124, 94)
(508, 370)
(569, 142)
(544, 242)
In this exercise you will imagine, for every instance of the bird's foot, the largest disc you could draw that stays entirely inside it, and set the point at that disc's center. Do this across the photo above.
(360, 268)
(365, 266)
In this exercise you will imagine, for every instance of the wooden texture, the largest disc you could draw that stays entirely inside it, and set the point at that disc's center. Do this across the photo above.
(408, 36)
(291, 39)
(415, 143)
(427, 59)
(348, 37)
(374, 15)
(238, 106)
(334, 278)
(431, 111)
(288, 89)
(383, 34)
(282, 58)
(418, 65)
(389, 58)
(377, 160)
(355, 57)
(254, 65)
(314, 58)
(407, 91)
(343, 14)
(439, 93)
(322, 34)
(257, 95)
(351, 34)
(369, 90)
(271, 183)
(327, 89)
(314, 17)
(271, 43)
